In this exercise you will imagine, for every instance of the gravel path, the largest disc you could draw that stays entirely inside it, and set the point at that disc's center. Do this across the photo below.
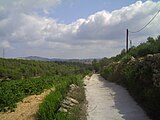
(109, 101)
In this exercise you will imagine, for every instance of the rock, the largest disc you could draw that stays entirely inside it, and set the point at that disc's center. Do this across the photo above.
(72, 86)
(63, 110)
(72, 104)
(133, 59)
(67, 102)
(66, 106)
(141, 59)
(158, 54)
(52, 89)
(72, 100)
(149, 55)
(155, 71)
(87, 77)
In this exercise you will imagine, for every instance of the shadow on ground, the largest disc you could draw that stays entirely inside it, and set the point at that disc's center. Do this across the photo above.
(124, 102)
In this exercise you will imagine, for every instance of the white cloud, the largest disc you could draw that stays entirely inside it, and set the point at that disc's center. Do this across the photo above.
(101, 34)
(26, 6)
(5, 44)
(104, 25)
(46, 11)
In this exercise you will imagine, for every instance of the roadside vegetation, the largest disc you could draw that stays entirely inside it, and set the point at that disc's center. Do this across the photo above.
(138, 71)
(78, 110)
(50, 107)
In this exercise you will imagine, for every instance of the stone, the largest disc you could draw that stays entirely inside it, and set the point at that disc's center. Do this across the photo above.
(63, 110)
(67, 102)
(149, 55)
(66, 106)
(72, 100)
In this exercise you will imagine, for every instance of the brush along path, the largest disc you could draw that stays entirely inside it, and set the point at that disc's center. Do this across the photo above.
(26, 110)
(108, 101)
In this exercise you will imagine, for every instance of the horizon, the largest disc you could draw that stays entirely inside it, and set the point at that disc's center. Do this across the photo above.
(50, 58)
(74, 29)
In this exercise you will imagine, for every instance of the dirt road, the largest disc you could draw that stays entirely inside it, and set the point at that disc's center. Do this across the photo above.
(26, 110)
(108, 101)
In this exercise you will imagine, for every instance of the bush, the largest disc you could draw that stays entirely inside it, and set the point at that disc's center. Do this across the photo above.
(137, 77)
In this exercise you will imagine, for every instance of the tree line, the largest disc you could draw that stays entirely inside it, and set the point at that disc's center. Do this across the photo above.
(14, 69)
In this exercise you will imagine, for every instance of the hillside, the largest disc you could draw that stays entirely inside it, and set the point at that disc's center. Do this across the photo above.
(37, 58)
(12, 69)
(138, 71)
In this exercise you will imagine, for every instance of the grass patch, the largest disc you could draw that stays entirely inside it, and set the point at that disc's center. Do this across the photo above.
(77, 112)
(48, 110)
(14, 91)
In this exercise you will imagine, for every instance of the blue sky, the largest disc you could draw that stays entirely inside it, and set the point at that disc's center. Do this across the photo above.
(74, 28)
(71, 10)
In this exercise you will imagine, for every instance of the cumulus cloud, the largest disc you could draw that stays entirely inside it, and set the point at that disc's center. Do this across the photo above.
(19, 21)
(101, 34)
(26, 6)
(111, 26)
(5, 44)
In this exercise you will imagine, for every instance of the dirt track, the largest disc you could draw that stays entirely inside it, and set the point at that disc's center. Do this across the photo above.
(108, 101)
(26, 110)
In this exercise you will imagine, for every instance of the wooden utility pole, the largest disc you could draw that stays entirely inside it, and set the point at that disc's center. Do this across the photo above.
(127, 40)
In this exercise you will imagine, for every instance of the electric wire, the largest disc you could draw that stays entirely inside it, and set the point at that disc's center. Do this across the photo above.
(146, 24)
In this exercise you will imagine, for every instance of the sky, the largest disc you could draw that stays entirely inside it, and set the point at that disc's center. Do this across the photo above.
(74, 28)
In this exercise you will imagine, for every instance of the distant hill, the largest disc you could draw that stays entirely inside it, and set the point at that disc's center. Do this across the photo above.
(35, 58)
(84, 61)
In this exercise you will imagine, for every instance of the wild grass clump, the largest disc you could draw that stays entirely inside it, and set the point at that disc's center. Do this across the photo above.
(48, 110)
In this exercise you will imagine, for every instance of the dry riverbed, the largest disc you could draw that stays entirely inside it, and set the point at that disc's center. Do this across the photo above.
(109, 101)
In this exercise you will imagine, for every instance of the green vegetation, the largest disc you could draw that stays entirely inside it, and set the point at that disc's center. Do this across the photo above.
(78, 111)
(138, 71)
(20, 78)
(49, 108)
(13, 69)
(14, 91)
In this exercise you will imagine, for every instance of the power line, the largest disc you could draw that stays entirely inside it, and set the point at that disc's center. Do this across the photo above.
(146, 24)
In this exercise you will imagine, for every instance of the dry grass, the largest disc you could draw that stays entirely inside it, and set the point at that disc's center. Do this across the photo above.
(78, 112)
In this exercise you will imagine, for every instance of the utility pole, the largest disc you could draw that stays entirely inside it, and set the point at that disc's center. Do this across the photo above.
(127, 40)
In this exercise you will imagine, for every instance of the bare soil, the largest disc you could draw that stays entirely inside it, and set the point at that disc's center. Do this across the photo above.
(26, 109)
